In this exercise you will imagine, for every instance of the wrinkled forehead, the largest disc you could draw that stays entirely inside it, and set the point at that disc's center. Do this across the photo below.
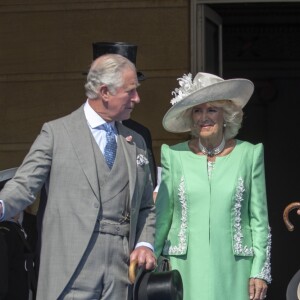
(129, 77)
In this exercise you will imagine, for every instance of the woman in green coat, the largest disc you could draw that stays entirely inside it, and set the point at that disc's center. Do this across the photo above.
(212, 216)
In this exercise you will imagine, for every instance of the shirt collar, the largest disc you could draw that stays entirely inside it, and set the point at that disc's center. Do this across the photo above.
(94, 120)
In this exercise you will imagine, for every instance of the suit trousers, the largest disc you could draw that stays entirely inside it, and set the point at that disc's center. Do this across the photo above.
(103, 270)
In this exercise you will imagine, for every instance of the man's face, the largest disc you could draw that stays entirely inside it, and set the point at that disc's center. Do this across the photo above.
(121, 103)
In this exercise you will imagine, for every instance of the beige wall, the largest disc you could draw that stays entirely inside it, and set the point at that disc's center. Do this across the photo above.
(47, 45)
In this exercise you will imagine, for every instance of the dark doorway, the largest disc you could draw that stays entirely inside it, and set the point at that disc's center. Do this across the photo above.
(261, 41)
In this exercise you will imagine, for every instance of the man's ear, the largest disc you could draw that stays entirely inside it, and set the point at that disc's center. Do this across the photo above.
(104, 92)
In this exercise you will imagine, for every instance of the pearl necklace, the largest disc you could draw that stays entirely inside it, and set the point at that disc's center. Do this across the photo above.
(214, 151)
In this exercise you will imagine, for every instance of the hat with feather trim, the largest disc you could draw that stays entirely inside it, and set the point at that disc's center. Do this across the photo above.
(204, 88)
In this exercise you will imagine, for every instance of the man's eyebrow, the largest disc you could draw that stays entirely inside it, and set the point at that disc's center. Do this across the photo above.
(131, 88)
(135, 86)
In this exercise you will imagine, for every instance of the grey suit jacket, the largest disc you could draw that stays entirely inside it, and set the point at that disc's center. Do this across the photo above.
(62, 154)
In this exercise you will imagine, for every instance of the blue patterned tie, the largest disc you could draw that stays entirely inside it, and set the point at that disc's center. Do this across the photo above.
(110, 149)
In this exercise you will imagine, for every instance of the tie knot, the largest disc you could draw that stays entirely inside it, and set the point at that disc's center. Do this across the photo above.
(108, 128)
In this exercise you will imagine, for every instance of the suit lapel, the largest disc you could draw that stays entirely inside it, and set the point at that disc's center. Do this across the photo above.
(80, 137)
(130, 154)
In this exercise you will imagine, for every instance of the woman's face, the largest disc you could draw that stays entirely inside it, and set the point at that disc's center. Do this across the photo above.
(209, 120)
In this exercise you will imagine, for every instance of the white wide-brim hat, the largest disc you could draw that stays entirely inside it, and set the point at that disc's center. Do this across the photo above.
(204, 88)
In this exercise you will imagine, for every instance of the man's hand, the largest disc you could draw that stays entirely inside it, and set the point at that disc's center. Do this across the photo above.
(257, 289)
(1, 212)
(144, 257)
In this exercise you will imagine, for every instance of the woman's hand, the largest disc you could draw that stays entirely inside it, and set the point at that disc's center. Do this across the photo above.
(257, 289)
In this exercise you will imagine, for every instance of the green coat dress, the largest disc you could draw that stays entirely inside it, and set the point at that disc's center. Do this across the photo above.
(214, 228)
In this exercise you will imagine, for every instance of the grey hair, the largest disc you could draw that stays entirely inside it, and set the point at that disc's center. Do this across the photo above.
(233, 117)
(108, 70)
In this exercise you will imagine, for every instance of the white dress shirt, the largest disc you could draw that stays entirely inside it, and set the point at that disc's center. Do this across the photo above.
(94, 122)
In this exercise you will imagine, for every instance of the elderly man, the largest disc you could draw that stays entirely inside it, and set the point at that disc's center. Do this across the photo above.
(100, 212)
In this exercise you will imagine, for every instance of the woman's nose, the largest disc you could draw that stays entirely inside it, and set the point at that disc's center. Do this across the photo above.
(203, 116)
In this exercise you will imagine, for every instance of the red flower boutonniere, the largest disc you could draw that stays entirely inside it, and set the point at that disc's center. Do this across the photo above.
(129, 138)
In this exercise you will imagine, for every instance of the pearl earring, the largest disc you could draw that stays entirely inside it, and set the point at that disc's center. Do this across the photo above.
(224, 125)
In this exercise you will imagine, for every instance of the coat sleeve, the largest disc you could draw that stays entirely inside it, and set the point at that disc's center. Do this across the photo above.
(21, 190)
(261, 267)
(164, 202)
(146, 215)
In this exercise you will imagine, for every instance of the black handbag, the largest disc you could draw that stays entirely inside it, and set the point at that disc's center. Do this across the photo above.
(163, 264)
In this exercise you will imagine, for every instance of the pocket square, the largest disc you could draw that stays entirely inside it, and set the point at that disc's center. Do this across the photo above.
(142, 160)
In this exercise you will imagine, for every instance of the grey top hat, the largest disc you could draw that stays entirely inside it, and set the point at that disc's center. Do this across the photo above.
(127, 50)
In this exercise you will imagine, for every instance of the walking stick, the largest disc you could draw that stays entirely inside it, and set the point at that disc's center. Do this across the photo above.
(286, 212)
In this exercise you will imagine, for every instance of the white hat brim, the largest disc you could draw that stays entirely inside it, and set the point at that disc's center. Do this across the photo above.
(178, 119)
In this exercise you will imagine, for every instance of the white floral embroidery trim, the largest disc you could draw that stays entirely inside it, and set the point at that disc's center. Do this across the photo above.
(238, 236)
(265, 273)
(180, 249)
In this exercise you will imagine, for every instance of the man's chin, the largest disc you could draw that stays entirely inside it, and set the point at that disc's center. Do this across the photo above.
(123, 118)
